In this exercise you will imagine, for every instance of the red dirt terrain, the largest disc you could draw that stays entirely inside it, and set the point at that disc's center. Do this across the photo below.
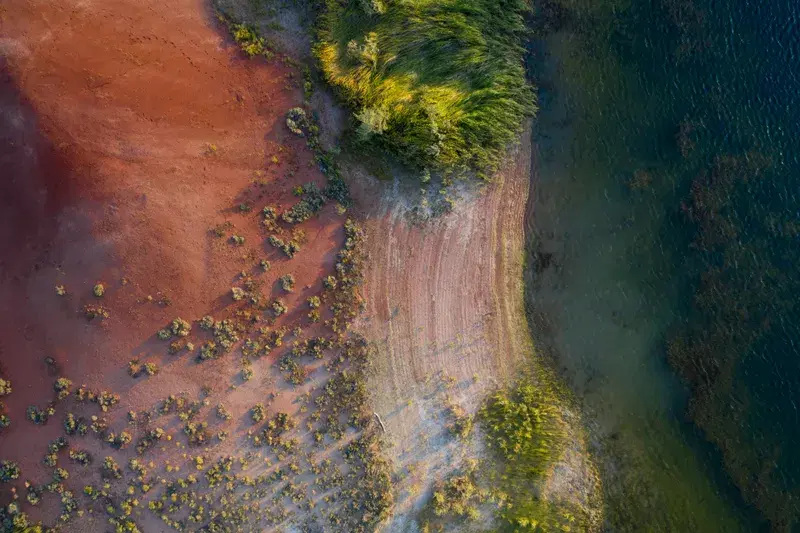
(129, 129)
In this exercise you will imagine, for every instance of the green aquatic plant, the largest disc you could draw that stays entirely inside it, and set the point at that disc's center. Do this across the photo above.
(439, 84)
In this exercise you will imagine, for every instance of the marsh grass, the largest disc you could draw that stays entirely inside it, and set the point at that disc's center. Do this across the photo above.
(440, 85)
(525, 431)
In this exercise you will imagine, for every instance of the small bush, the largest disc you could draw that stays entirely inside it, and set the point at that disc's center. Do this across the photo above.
(279, 308)
(456, 497)
(40, 416)
(111, 469)
(223, 413)
(5, 387)
(287, 282)
(9, 471)
(73, 426)
(258, 413)
(149, 440)
(208, 350)
(81, 457)
(462, 422)
(296, 120)
(99, 290)
(269, 212)
(151, 369)
(119, 441)
(197, 433)
(95, 311)
(249, 41)
(312, 202)
(62, 387)
(135, 367)
(206, 323)
(180, 327)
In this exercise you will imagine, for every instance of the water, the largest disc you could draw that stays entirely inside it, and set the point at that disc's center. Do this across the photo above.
(666, 239)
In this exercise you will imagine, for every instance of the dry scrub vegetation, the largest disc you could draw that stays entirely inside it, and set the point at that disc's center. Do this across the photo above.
(320, 463)
(306, 452)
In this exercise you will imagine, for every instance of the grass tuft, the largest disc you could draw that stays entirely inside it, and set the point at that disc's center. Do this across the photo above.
(439, 84)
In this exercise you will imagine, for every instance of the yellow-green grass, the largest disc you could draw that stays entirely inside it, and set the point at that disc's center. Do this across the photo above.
(439, 84)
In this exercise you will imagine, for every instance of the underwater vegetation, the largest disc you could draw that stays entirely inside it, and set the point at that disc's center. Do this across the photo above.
(736, 349)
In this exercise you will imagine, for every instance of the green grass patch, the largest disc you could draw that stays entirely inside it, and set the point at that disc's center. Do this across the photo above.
(527, 434)
(441, 85)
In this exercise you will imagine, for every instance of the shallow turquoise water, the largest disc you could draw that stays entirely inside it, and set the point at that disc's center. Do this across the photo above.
(666, 211)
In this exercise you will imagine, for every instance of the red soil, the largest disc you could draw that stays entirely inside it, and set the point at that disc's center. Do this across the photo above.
(107, 112)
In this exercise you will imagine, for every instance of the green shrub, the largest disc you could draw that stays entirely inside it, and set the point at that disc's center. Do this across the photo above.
(95, 311)
(99, 290)
(258, 412)
(206, 323)
(249, 41)
(439, 84)
(62, 386)
(119, 441)
(59, 475)
(81, 457)
(9, 471)
(111, 469)
(135, 368)
(180, 328)
(40, 416)
(458, 496)
(313, 200)
(197, 433)
(287, 282)
(279, 308)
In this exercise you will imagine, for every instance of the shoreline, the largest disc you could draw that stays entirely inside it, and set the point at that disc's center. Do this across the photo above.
(599, 326)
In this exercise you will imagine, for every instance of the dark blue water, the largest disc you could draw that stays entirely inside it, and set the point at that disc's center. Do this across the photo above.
(668, 196)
